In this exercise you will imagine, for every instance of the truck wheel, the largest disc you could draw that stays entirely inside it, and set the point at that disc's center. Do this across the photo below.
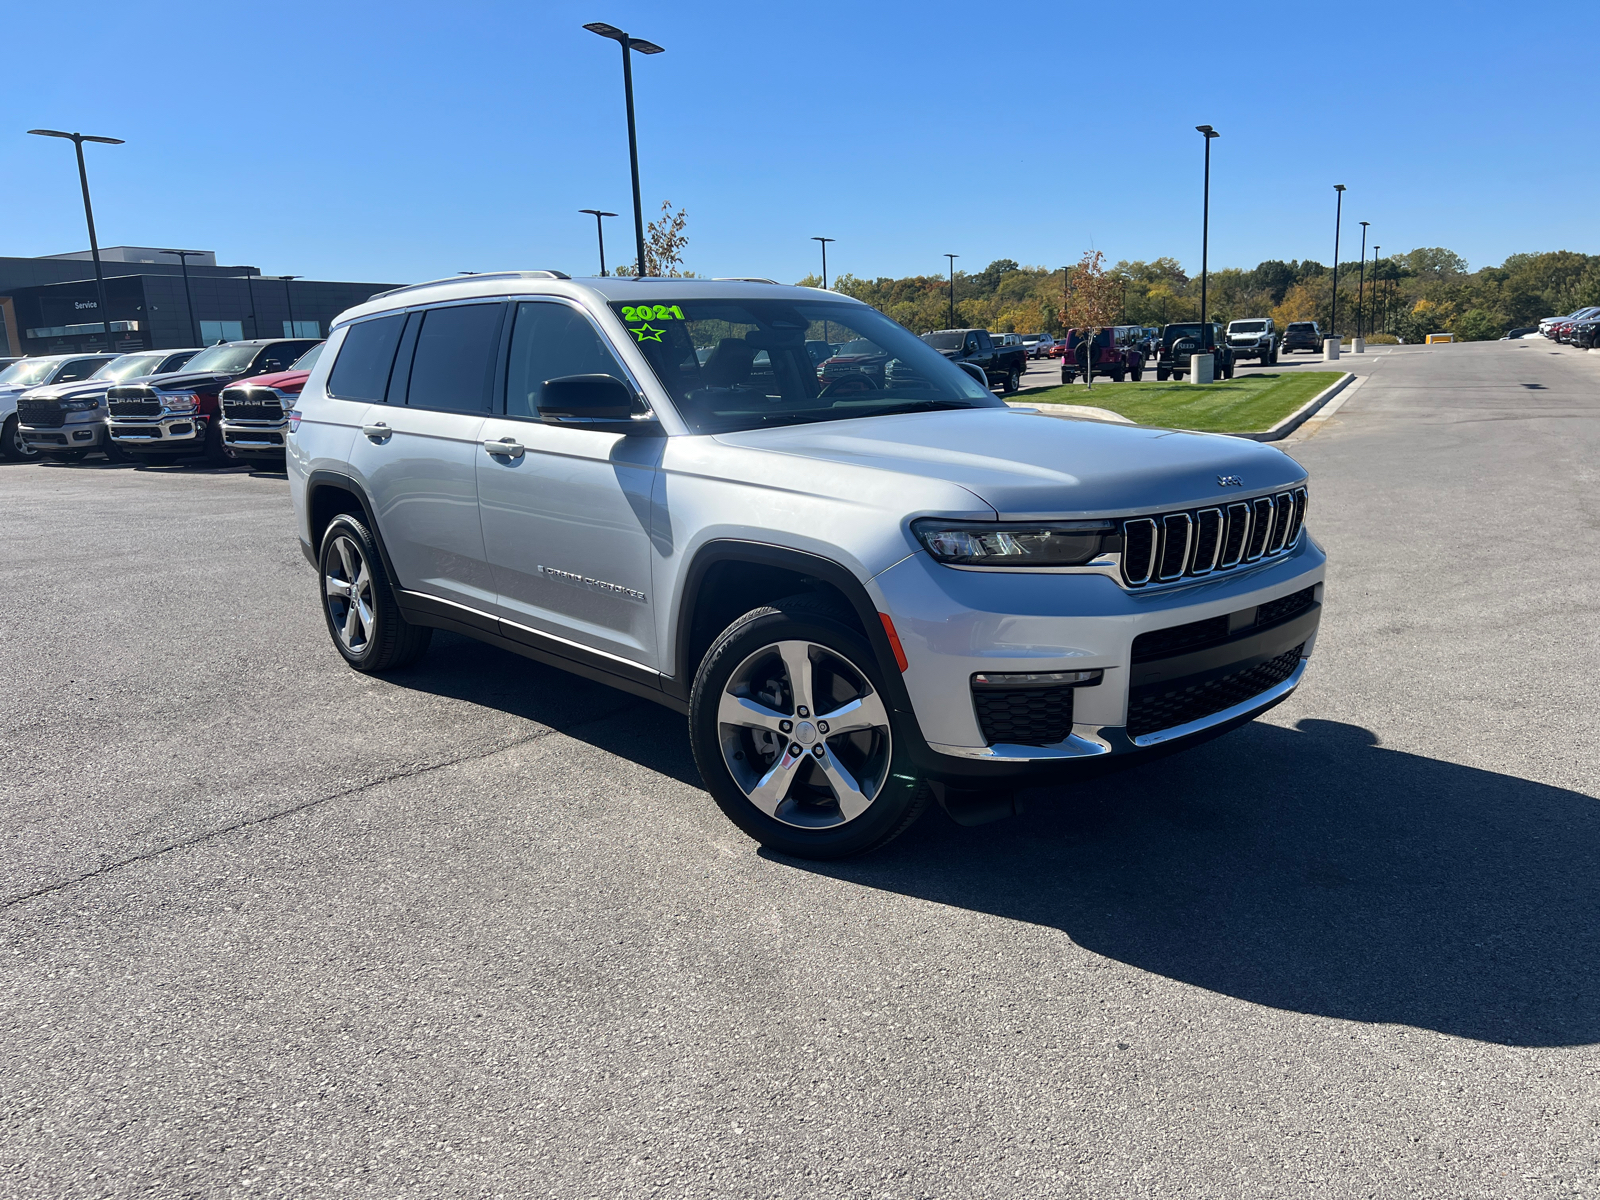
(1068, 376)
(1119, 376)
(1013, 380)
(1137, 374)
(1162, 374)
(794, 739)
(358, 603)
(217, 452)
(113, 452)
(12, 447)
(1227, 371)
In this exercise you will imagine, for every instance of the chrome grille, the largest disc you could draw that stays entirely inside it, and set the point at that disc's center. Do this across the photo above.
(251, 404)
(135, 401)
(1182, 545)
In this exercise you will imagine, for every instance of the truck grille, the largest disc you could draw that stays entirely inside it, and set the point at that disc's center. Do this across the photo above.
(1191, 544)
(41, 414)
(1040, 716)
(1156, 709)
(134, 401)
(251, 404)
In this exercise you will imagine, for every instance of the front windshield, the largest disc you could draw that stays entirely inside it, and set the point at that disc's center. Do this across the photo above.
(748, 364)
(309, 359)
(129, 366)
(29, 370)
(1247, 327)
(224, 360)
(945, 341)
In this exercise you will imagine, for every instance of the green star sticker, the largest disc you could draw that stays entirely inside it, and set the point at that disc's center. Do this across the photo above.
(647, 333)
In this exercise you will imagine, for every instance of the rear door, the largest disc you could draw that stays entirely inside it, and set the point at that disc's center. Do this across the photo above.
(566, 510)
(417, 453)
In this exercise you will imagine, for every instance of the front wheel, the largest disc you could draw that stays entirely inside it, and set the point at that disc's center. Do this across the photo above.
(1137, 374)
(12, 447)
(1162, 374)
(794, 737)
(363, 619)
(1227, 371)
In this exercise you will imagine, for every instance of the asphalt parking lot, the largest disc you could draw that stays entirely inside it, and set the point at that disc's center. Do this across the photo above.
(274, 928)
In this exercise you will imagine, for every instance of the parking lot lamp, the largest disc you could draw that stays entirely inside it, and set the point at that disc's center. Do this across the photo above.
(1208, 133)
(599, 232)
(1338, 212)
(77, 140)
(1361, 279)
(288, 299)
(824, 242)
(188, 296)
(952, 258)
(630, 44)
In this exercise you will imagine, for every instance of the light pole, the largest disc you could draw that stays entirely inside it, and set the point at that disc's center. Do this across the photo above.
(824, 242)
(599, 232)
(77, 140)
(1361, 278)
(952, 258)
(628, 45)
(188, 296)
(1208, 133)
(1338, 212)
(289, 299)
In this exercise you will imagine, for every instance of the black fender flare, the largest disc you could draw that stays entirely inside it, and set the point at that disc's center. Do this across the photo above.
(320, 480)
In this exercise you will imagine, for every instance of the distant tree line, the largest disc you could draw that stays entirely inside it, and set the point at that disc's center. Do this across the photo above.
(1409, 295)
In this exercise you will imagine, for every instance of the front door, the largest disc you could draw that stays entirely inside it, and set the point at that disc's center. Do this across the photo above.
(566, 511)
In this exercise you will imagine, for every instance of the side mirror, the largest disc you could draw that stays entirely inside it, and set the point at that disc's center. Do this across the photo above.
(976, 372)
(580, 399)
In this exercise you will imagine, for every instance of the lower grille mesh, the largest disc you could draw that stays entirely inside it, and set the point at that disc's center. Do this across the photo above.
(1157, 709)
(1024, 716)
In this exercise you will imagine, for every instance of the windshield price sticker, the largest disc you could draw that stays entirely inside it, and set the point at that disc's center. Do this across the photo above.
(652, 312)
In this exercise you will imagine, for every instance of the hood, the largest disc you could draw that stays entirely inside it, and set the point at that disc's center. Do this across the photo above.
(84, 387)
(177, 381)
(1025, 464)
(284, 381)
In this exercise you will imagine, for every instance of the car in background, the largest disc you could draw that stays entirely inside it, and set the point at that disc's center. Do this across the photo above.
(63, 422)
(1301, 335)
(1513, 335)
(255, 411)
(1114, 351)
(1007, 339)
(1584, 333)
(1002, 365)
(29, 373)
(1152, 341)
(6, 362)
(177, 416)
(1563, 331)
(1181, 342)
(1550, 325)
(1037, 344)
(856, 357)
(1254, 337)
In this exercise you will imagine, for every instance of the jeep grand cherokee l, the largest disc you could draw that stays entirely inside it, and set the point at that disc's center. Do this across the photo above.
(864, 596)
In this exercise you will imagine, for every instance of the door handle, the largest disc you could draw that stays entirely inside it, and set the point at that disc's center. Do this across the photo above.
(377, 432)
(504, 448)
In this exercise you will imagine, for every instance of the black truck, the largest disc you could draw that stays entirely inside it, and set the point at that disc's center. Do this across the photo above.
(1181, 342)
(1003, 365)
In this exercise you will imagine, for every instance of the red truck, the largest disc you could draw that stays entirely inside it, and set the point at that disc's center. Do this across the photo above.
(255, 410)
(1117, 352)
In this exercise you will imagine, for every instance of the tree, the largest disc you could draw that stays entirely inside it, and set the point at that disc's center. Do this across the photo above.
(1093, 302)
(664, 241)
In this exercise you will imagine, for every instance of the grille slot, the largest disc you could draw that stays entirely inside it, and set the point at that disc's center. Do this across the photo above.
(41, 414)
(1156, 709)
(1177, 639)
(1208, 523)
(1285, 607)
(1238, 531)
(1261, 509)
(1138, 551)
(1040, 716)
(1177, 531)
(1282, 513)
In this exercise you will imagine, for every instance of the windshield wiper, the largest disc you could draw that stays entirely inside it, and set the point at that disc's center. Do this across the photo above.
(918, 406)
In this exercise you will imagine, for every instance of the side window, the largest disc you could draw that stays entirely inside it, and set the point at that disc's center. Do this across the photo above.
(361, 371)
(78, 368)
(984, 344)
(176, 361)
(274, 358)
(548, 341)
(453, 368)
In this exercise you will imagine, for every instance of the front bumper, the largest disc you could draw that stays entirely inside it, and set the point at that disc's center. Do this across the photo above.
(955, 624)
(255, 437)
(175, 432)
(82, 436)
(1251, 351)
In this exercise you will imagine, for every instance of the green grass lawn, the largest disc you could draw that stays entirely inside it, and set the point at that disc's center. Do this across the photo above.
(1247, 403)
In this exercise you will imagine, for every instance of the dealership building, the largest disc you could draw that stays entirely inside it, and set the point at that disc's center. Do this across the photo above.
(50, 305)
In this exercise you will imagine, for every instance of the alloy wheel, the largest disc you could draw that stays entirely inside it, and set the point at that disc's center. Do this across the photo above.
(804, 734)
(347, 586)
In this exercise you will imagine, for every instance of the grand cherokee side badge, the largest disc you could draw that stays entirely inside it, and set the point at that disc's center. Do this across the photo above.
(1229, 481)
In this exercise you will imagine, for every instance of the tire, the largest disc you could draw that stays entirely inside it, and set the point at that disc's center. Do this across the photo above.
(1162, 374)
(113, 452)
(1013, 380)
(1118, 376)
(1069, 376)
(1227, 371)
(217, 453)
(860, 792)
(358, 603)
(12, 447)
(1137, 374)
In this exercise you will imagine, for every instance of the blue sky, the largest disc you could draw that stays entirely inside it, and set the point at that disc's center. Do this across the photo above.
(403, 141)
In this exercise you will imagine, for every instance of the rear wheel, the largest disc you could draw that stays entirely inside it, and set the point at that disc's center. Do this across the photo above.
(794, 738)
(1227, 371)
(12, 447)
(1162, 374)
(1013, 380)
(1137, 374)
(363, 619)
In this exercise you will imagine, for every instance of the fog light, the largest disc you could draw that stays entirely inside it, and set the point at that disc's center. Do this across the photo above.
(991, 679)
(83, 435)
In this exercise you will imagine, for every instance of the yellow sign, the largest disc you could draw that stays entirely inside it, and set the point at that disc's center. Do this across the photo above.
(1437, 338)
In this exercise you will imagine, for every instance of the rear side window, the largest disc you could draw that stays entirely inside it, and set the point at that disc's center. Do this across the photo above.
(361, 372)
(548, 341)
(453, 368)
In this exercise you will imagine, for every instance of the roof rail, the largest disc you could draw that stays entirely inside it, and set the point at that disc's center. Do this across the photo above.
(744, 279)
(411, 287)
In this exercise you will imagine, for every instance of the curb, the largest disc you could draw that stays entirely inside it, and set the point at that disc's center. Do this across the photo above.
(1300, 415)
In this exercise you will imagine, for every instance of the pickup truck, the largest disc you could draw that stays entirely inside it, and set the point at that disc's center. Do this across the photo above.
(255, 410)
(1180, 342)
(1003, 365)
(1117, 354)
(64, 422)
(1254, 337)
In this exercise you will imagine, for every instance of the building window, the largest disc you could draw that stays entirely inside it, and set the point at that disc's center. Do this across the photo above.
(212, 332)
(298, 329)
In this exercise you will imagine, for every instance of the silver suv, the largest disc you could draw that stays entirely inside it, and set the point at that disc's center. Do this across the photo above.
(865, 592)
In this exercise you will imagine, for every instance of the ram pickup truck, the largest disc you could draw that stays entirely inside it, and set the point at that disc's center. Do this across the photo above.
(1117, 354)
(1002, 365)
(865, 599)
(28, 373)
(1254, 337)
(255, 411)
(179, 415)
(64, 422)
(1179, 343)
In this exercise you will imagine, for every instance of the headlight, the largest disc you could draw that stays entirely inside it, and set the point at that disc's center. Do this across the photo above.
(180, 402)
(83, 405)
(1034, 544)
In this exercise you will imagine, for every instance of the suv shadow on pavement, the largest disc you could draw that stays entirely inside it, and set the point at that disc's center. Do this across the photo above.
(1307, 870)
